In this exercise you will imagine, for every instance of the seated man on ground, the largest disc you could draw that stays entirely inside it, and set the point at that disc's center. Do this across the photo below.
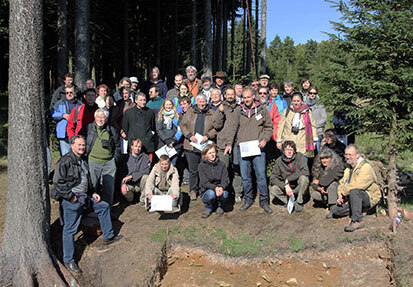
(327, 170)
(289, 176)
(164, 180)
(330, 140)
(213, 181)
(73, 190)
(358, 190)
(139, 167)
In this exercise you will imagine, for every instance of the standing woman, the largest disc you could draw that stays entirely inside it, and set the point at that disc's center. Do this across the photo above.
(297, 124)
(103, 91)
(198, 120)
(213, 181)
(319, 113)
(183, 92)
(167, 128)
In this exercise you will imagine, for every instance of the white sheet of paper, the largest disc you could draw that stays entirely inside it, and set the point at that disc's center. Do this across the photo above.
(169, 151)
(199, 139)
(123, 146)
(249, 148)
(290, 204)
(161, 203)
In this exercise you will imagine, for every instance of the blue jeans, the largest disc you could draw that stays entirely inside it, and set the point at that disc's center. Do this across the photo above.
(64, 146)
(209, 197)
(72, 215)
(246, 164)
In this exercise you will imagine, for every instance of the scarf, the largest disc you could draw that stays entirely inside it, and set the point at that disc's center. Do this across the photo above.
(167, 118)
(303, 109)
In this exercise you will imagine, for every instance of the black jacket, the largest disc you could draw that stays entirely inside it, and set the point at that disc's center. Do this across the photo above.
(290, 169)
(90, 133)
(212, 174)
(140, 124)
(66, 176)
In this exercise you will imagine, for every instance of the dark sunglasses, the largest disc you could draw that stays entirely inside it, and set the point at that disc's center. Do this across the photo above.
(312, 93)
(262, 93)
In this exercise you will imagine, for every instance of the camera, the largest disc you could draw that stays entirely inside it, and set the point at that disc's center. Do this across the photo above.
(105, 144)
(295, 130)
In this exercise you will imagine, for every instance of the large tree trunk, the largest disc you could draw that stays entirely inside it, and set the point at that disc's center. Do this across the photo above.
(208, 39)
(61, 40)
(249, 41)
(256, 35)
(82, 43)
(233, 5)
(125, 38)
(194, 35)
(218, 36)
(263, 40)
(224, 37)
(392, 180)
(26, 258)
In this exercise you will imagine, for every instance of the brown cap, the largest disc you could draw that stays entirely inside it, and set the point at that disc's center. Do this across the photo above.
(220, 74)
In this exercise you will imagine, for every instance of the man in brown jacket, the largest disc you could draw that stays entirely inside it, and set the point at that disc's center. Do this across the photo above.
(254, 125)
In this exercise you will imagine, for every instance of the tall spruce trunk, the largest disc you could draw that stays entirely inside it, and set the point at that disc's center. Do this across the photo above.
(194, 35)
(256, 48)
(218, 36)
(125, 38)
(62, 56)
(26, 258)
(208, 39)
(263, 40)
(82, 43)
(224, 37)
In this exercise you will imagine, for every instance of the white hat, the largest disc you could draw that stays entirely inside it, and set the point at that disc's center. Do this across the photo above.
(134, 80)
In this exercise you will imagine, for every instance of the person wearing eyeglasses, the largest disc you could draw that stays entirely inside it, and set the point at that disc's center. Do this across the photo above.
(61, 113)
(319, 113)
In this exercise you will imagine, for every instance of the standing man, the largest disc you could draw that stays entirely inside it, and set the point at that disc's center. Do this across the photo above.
(60, 93)
(254, 124)
(124, 82)
(206, 87)
(288, 92)
(172, 93)
(194, 84)
(139, 123)
(90, 84)
(264, 80)
(358, 190)
(238, 93)
(220, 79)
(103, 151)
(216, 99)
(155, 100)
(71, 188)
(155, 79)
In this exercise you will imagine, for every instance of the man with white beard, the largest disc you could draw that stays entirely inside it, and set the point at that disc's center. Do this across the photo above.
(102, 150)
(194, 84)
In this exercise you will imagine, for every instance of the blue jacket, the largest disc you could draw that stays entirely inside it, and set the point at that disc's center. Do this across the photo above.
(59, 109)
(281, 103)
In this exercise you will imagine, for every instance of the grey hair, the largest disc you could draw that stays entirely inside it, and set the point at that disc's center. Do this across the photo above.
(201, 96)
(215, 89)
(157, 70)
(75, 137)
(289, 83)
(102, 111)
(355, 148)
(125, 79)
(190, 67)
(326, 152)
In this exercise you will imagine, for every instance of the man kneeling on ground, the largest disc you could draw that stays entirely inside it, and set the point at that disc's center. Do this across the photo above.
(164, 180)
(71, 188)
(289, 175)
(358, 188)
(139, 167)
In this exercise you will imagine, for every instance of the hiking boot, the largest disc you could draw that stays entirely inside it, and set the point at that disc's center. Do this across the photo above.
(329, 215)
(112, 240)
(354, 226)
(220, 211)
(298, 207)
(206, 214)
(72, 267)
(192, 195)
(266, 208)
(238, 199)
(246, 205)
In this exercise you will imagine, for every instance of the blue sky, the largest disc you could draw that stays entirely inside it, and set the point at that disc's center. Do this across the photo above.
(302, 20)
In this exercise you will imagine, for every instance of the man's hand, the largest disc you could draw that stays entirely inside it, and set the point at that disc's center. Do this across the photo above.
(96, 197)
(262, 143)
(124, 189)
(173, 196)
(150, 195)
(122, 134)
(288, 189)
(315, 181)
(323, 142)
(228, 149)
(66, 116)
(221, 107)
(340, 200)
(219, 191)
(204, 139)
(126, 179)
(322, 190)
(74, 199)
(193, 139)
(279, 145)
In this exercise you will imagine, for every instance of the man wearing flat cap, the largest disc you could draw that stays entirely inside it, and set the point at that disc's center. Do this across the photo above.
(264, 80)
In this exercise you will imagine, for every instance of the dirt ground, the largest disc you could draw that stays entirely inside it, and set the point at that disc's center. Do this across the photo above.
(247, 248)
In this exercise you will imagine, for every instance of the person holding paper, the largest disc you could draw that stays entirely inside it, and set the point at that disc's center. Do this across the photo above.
(138, 168)
(167, 128)
(255, 124)
(289, 176)
(197, 122)
(213, 181)
(163, 180)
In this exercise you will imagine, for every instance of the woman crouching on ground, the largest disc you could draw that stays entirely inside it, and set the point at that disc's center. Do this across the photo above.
(213, 181)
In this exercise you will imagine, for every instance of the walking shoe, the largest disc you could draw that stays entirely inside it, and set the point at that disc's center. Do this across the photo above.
(112, 240)
(72, 267)
(192, 195)
(329, 215)
(298, 207)
(206, 214)
(238, 199)
(266, 208)
(220, 211)
(354, 226)
(246, 205)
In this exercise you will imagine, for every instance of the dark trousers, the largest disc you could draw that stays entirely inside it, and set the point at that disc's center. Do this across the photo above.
(193, 160)
(359, 201)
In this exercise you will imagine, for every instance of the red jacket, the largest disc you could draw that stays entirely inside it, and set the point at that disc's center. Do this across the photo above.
(84, 117)
(275, 117)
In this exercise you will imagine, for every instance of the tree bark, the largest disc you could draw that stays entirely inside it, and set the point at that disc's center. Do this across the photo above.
(218, 37)
(248, 40)
(263, 40)
(82, 43)
(256, 48)
(233, 38)
(208, 39)
(224, 37)
(62, 57)
(392, 180)
(194, 35)
(125, 38)
(26, 258)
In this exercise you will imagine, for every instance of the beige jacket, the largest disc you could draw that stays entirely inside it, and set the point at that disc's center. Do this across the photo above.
(284, 132)
(363, 177)
(225, 124)
(155, 177)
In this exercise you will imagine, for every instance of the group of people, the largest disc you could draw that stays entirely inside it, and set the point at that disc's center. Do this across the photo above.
(218, 135)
